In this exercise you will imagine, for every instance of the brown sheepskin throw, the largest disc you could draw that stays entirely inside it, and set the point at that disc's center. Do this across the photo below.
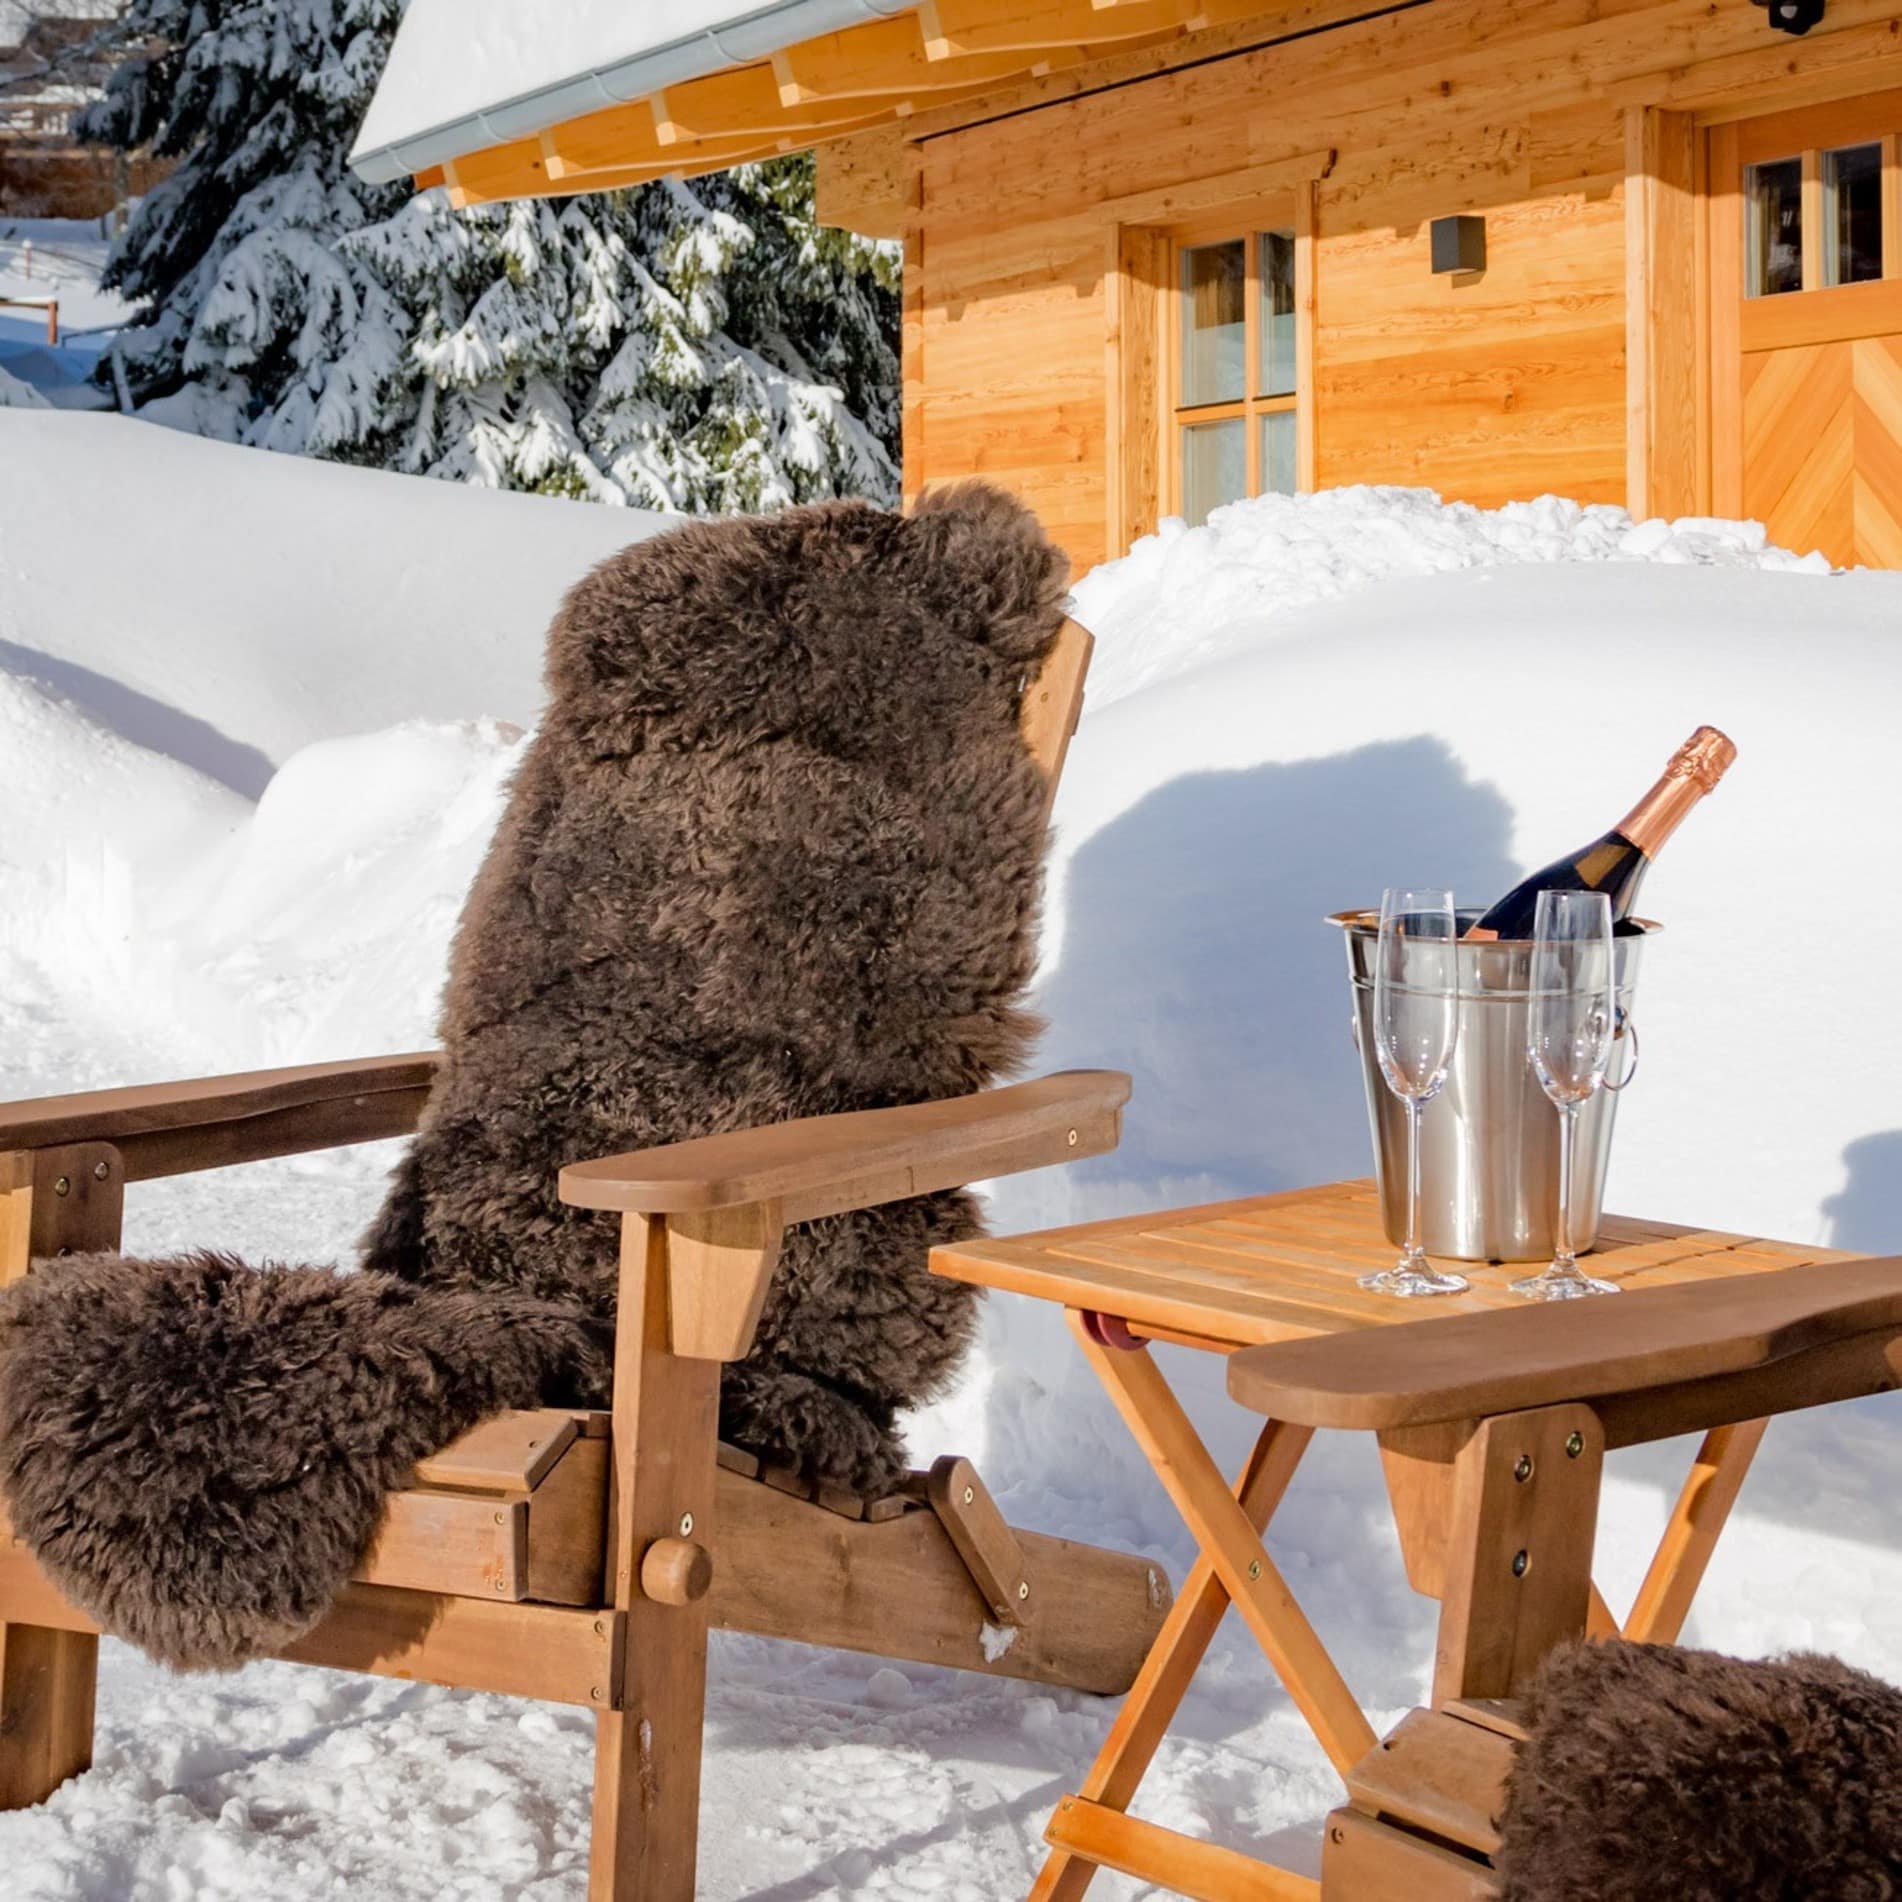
(774, 852)
(1660, 1775)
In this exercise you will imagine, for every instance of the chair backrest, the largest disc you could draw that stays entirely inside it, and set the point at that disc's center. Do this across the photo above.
(1053, 704)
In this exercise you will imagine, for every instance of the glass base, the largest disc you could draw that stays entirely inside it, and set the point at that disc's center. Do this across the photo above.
(1562, 1284)
(1411, 1276)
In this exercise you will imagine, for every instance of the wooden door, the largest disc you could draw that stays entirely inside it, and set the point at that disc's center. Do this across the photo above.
(1806, 323)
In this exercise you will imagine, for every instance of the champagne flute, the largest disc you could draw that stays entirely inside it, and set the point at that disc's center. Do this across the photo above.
(1571, 1014)
(1416, 1024)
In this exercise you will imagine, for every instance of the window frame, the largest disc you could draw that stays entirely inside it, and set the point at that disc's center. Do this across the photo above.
(1805, 135)
(1246, 224)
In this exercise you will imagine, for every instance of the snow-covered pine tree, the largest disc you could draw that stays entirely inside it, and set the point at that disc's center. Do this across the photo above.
(699, 345)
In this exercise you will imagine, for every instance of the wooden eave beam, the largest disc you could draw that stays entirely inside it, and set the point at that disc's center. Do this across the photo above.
(515, 174)
(962, 29)
(885, 59)
(746, 104)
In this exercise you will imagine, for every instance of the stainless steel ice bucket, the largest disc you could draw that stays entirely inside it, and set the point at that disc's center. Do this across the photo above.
(1489, 1142)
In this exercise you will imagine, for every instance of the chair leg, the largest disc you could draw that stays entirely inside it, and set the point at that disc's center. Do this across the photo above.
(1519, 1551)
(661, 1491)
(647, 1769)
(47, 1681)
(51, 1201)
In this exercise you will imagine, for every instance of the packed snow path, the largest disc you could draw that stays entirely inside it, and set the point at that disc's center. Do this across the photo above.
(1299, 704)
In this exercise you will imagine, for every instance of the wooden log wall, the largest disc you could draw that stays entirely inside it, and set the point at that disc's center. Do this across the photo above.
(1496, 386)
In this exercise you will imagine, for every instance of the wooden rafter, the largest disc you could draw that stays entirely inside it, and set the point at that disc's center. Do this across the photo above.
(942, 55)
(960, 29)
(746, 102)
(519, 170)
(885, 59)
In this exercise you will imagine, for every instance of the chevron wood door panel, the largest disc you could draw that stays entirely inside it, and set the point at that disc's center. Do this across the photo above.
(1805, 230)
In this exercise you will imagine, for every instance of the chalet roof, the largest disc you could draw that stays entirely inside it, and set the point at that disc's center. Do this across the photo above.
(529, 98)
(465, 75)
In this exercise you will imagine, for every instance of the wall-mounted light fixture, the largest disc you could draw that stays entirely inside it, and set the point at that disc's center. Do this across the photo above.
(1792, 16)
(1459, 244)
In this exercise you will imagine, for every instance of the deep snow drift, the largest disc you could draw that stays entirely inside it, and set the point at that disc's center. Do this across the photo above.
(1292, 707)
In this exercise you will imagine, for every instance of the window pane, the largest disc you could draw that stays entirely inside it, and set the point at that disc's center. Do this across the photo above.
(1276, 269)
(1277, 452)
(1852, 214)
(1214, 324)
(1773, 210)
(1214, 467)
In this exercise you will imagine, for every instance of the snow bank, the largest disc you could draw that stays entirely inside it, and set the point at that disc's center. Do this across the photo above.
(1186, 596)
(227, 608)
(1305, 701)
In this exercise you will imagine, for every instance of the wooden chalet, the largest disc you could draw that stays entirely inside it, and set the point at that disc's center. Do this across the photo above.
(1162, 253)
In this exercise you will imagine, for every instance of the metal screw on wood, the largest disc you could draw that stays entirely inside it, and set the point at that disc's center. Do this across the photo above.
(498, 1518)
(1574, 1446)
(1254, 1568)
(63, 1186)
(101, 1170)
(1523, 1471)
(1520, 1560)
(1023, 1588)
(970, 1493)
(1072, 1139)
(686, 1524)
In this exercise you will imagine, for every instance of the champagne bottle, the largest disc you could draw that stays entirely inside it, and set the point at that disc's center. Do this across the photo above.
(1616, 863)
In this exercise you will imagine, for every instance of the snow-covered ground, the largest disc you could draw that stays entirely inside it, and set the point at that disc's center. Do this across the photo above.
(1293, 707)
(63, 258)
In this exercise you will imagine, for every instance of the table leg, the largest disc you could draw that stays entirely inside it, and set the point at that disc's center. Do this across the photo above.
(1173, 1660)
(1221, 1529)
(1697, 1521)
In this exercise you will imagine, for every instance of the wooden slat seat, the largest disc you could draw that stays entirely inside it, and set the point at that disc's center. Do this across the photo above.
(1743, 1330)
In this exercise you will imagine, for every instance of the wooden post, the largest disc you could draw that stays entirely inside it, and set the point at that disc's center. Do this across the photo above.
(647, 1749)
(1665, 349)
(1519, 1552)
(911, 299)
(52, 1202)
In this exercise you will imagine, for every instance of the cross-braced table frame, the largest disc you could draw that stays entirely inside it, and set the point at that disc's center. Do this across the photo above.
(1279, 1268)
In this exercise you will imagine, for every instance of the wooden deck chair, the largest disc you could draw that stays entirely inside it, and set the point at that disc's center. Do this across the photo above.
(582, 1557)
(1508, 1417)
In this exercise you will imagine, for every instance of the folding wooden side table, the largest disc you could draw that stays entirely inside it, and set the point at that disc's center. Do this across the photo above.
(1277, 1268)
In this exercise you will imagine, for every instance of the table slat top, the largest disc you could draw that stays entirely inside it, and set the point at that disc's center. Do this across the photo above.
(1282, 1267)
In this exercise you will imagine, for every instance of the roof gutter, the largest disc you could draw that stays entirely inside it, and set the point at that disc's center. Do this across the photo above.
(741, 42)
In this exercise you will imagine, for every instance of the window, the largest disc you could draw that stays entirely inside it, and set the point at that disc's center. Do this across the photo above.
(1233, 385)
(1815, 220)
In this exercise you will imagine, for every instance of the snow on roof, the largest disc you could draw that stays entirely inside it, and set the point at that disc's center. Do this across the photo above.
(467, 74)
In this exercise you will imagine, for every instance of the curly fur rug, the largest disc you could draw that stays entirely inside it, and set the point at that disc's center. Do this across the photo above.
(1660, 1775)
(775, 851)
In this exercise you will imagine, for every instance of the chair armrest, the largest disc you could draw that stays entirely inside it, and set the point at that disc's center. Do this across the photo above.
(823, 1165)
(1671, 1358)
(163, 1129)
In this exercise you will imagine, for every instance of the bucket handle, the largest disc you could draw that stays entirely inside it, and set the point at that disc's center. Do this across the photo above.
(1627, 1026)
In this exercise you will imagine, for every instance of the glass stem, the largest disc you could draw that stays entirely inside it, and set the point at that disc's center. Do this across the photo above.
(1564, 1260)
(1414, 1250)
